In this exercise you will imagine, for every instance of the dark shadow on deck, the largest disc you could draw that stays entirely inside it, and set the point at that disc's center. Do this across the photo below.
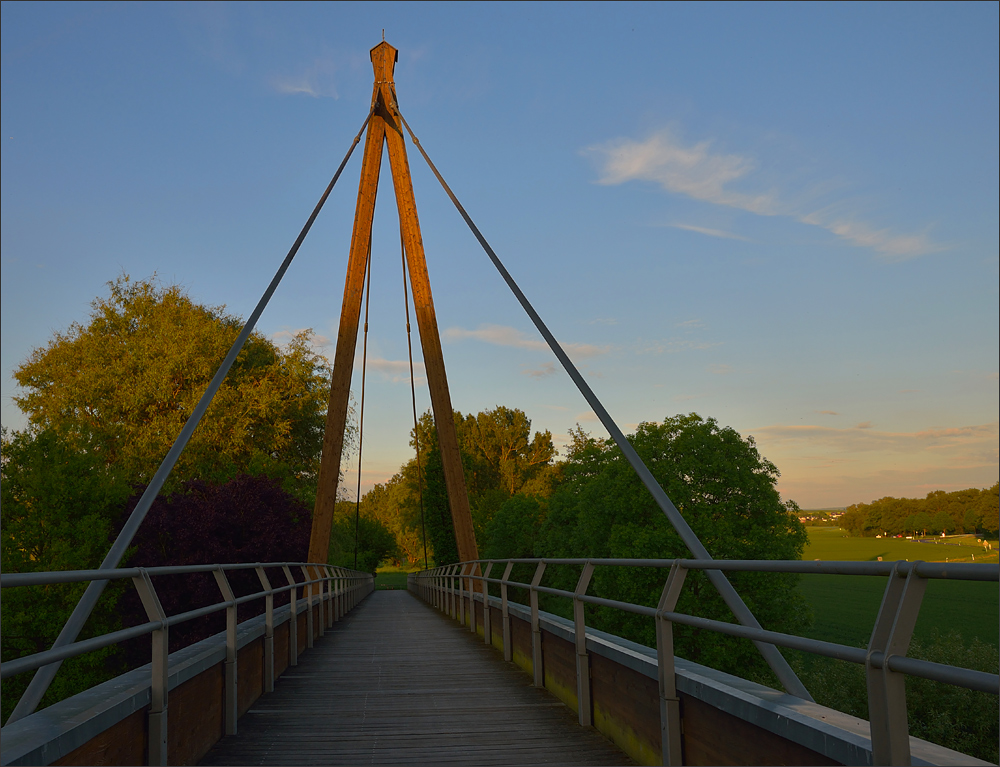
(397, 683)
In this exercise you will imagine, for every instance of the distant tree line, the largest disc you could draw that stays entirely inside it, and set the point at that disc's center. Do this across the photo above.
(963, 511)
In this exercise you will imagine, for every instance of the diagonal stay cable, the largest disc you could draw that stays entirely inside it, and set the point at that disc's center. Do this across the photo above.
(735, 603)
(43, 677)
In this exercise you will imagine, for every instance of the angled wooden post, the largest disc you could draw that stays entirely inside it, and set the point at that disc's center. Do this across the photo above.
(386, 126)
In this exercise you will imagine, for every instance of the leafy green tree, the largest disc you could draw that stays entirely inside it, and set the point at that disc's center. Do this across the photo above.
(59, 509)
(954, 717)
(375, 542)
(122, 386)
(394, 506)
(726, 491)
(501, 458)
(514, 528)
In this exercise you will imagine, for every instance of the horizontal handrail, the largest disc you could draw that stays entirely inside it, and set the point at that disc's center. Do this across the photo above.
(49, 577)
(952, 570)
(340, 575)
(961, 677)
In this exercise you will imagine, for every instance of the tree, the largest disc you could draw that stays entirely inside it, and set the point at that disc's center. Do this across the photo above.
(59, 509)
(104, 402)
(726, 492)
(247, 519)
(122, 386)
(375, 542)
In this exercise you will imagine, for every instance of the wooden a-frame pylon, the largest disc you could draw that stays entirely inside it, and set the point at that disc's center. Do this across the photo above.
(386, 126)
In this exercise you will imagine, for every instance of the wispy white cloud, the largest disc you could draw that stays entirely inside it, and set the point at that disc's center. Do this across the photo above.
(694, 170)
(828, 412)
(318, 80)
(396, 371)
(672, 345)
(720, 370)
(504, 335)
(542, 371)
(865, 438)
(690, 324)
(892, 247)
(827, 466)
(709, 232)
(702, 173)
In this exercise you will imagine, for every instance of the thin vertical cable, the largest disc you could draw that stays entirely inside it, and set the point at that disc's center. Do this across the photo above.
(413, 394)
(361, 417)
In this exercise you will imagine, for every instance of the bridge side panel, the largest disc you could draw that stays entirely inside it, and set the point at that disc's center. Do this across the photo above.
(743, 743)
(125, 743)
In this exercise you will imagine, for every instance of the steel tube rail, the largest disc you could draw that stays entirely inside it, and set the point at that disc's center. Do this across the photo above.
(960, 677)
(48, 577)
(774, 659)
(73, 649)
(37, 660)
(950, 570)
(40, 683)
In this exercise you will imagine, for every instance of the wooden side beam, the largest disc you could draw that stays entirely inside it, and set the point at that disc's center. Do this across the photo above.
(347, 338)
(386, 125)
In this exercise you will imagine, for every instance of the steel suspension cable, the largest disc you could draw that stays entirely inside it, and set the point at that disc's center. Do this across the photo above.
(361, 417)
(413, 394)
(43, 677)
(774, 659)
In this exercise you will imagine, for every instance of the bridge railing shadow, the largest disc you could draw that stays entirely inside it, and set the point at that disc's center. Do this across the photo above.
(455, 589)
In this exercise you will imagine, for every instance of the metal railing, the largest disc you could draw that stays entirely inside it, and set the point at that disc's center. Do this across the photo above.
(885, 661)
(333, 590)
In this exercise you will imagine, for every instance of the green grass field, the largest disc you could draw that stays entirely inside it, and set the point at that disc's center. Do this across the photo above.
(844, 606)
(390, 578)
(834, 543)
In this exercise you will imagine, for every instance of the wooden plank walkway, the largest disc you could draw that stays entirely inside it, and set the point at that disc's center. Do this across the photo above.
(398, 683)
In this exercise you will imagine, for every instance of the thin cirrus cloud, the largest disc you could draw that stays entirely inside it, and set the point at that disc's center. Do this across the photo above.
(710, 232)
(704, 174)
(397, 371)
(317, 80)
(977, 442)
(504, 335)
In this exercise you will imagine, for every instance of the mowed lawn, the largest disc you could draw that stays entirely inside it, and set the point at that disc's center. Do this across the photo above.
(845, 606)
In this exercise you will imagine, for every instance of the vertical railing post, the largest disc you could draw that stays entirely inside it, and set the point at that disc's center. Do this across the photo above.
(582, 659)
(231, 650)
(339, 593)
(159, 684)
(309, 605)
(268, 629)
(321, 590)
(293, 621)
(487, 618)
(891, 635)
(472, 597)
(452, 605)
(536, 629)
(508, 649)
(670, 706)
(461, 594)
(328, 575)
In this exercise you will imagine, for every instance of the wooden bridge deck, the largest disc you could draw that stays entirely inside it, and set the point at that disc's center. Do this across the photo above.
(398, 683)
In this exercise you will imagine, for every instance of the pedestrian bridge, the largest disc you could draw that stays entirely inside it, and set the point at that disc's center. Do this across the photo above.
(454, 670)
(329, 672)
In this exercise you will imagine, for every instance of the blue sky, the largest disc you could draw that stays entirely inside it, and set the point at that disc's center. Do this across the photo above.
(781, 216)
